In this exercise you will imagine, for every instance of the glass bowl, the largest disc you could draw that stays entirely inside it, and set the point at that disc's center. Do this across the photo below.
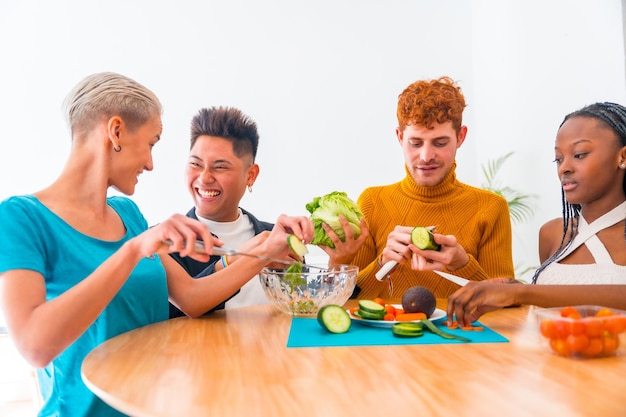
(302, 294)
(585, 331)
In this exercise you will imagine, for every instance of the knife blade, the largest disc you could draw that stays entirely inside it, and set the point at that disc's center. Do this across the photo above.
(457, 280)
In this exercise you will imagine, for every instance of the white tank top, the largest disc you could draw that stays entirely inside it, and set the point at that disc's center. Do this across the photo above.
(603, 271)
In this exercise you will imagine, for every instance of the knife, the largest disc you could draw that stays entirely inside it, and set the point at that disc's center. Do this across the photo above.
(221, 250)
(457, 280)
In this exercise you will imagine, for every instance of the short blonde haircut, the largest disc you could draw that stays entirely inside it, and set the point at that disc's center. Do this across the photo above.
(104, 95)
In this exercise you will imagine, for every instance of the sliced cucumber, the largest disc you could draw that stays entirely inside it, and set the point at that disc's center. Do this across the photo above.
(371, 310)
(371, 306)
(423, 239)
(334, 318)
(367, 315)
(296, 245)
(407, 329)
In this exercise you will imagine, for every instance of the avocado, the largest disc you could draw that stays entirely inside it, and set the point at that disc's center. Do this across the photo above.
(419, 299)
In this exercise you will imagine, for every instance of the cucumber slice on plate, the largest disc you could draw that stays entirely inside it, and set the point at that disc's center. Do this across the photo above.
(371, 307)
(334, 318)
(366, 315)
(296, 245)
(423, 238)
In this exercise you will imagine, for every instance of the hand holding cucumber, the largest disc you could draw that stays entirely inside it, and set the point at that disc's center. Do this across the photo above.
(420, 236)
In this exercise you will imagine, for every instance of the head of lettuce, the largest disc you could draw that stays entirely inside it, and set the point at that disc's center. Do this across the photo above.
(327, 209)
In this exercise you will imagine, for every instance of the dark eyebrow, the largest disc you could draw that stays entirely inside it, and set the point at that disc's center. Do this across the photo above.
(222, 161)
(217, 161)
(578, 142)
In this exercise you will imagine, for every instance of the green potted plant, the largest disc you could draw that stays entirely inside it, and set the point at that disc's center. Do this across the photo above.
(520, 205)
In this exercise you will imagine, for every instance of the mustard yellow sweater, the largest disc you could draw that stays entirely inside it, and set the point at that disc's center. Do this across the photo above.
(479, 219)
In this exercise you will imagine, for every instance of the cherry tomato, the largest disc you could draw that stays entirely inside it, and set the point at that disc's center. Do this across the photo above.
(389, 317)
(576, 326)
(577, 342)
(390, 309)
(594, 348)
(548, 329)
(559, 346)
(604, 312)
(593, 327)
(615, 324)
(610, 343)
(561, 329)
(570, 312)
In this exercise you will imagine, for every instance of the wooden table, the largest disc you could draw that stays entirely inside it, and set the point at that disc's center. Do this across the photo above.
(236, 363)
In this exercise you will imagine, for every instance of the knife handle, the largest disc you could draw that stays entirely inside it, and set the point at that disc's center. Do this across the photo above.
(385, 269)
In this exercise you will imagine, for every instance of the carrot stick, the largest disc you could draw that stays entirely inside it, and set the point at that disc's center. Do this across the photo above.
(474, 328)
(410, 316)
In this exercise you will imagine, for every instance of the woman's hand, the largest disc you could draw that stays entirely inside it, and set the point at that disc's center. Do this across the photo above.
(480, 297)
(344, 251)
(176, 234)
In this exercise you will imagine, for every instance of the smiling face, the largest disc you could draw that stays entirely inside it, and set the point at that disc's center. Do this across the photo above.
(588, 156)
(429, 153)
(217, 178)
(135, 155)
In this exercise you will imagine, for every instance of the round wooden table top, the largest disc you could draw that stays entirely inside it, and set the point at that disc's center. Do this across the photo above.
(237, 363)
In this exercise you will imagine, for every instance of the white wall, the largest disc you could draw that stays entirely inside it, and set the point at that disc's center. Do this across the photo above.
(320, 78)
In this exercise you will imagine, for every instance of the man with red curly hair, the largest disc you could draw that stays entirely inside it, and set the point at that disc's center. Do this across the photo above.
(473, 226)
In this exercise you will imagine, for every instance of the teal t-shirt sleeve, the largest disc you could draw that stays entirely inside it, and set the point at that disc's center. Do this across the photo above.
(21, 243)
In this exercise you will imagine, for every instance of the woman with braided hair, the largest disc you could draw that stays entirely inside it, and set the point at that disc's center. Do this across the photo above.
(587, 246)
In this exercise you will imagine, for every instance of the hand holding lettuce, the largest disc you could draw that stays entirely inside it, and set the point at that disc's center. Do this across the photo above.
(327, 209)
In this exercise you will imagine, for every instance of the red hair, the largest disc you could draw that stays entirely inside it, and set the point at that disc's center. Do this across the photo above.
(428, 102)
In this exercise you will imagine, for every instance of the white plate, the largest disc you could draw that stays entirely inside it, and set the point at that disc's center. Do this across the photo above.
(437, 315)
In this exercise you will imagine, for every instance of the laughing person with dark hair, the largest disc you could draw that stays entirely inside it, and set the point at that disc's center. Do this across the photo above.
(220, 168)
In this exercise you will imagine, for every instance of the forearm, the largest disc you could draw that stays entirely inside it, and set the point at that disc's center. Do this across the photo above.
(42, 330)
(195, 297)
(562, 295)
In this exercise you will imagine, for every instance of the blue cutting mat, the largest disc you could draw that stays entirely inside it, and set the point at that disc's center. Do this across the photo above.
(306, 332)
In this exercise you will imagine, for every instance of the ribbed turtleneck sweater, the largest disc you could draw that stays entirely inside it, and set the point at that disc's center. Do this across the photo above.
(479, 220)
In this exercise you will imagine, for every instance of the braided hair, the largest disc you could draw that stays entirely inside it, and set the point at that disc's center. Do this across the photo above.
(614, 116)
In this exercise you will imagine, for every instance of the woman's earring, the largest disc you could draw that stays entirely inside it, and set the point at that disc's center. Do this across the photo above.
(119, 148)
(622, 165)
(249, 188)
